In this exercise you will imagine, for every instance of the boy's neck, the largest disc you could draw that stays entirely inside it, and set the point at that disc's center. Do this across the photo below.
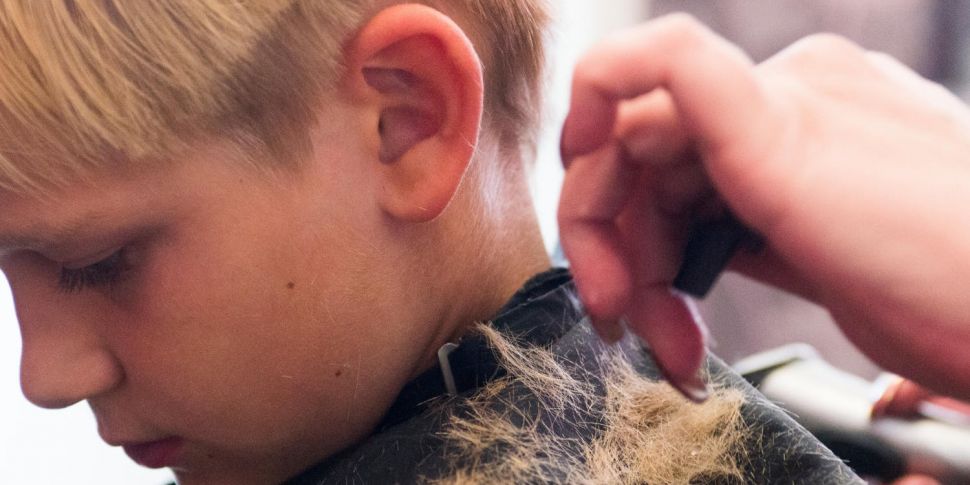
(492, 261)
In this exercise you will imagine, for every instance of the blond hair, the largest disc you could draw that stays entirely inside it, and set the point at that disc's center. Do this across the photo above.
(95, 84)
(646, 433)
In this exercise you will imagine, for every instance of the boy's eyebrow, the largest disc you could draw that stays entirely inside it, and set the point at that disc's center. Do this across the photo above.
(45, 236)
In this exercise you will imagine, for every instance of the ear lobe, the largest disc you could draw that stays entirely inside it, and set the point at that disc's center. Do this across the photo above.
(422, 79)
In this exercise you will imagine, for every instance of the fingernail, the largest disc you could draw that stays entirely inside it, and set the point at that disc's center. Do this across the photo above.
(883, 405)
(693, 388)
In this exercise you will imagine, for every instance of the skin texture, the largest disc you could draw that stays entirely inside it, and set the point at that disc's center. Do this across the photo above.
(853, 168)
(269, 318)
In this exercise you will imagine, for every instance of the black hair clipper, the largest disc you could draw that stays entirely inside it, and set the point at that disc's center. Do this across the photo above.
(710, 246)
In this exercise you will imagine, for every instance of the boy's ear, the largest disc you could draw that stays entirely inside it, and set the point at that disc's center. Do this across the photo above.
(419, 75)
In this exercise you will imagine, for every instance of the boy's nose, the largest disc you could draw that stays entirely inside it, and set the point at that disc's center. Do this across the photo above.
(58, 374)
(65, 359)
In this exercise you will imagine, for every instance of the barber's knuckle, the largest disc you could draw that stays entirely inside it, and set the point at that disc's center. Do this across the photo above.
(827, 44)
(819, 53)
(681, 22)
(683, 30)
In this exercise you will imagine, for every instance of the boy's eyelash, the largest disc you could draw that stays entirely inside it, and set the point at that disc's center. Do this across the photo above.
(104, 273)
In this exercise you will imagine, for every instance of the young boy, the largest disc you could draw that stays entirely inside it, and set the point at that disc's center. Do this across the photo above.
(242, 231)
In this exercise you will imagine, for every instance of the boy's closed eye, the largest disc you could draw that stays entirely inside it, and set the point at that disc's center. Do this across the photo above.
(103, 273)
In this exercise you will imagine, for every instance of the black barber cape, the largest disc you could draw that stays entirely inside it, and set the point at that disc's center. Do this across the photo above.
(408, 446)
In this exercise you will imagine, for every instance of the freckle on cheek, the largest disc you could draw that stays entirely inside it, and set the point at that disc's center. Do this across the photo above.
(290, 285)
(338, 373)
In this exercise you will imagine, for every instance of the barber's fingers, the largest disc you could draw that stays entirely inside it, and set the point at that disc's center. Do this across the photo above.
(711, 82)
(682, 188)
(650, 132)
(624, 251)
(644, 103)
(669, 324)
(595, 191)
(664, 320)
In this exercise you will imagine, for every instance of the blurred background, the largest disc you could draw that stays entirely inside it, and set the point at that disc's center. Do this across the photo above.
(55, 447)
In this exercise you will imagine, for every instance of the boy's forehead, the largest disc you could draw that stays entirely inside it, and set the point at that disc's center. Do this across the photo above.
(43, 230)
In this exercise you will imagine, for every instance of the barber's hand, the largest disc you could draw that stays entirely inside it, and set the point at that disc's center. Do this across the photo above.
(855, 170)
